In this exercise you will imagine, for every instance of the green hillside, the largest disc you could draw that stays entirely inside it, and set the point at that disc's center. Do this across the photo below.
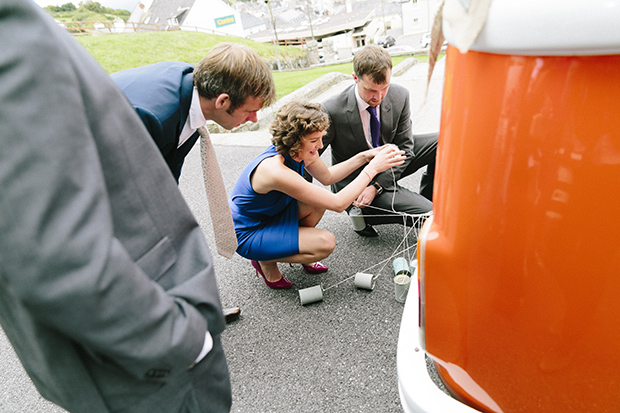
(122, 51)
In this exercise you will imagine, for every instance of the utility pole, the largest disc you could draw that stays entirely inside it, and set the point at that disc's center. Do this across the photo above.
(428, 16)
(310, 18)
(276, 42)
(383, 16)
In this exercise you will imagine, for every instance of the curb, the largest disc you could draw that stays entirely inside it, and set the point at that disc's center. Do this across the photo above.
(309, 91)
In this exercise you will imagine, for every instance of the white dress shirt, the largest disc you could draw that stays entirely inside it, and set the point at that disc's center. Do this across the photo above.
(195, 119)
(365, 116)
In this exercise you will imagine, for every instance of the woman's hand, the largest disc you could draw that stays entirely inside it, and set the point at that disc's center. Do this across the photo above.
(387, 157)
(371, 153)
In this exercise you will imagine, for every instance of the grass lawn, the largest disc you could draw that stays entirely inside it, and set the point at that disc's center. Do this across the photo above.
(123, 51)
(287, 82)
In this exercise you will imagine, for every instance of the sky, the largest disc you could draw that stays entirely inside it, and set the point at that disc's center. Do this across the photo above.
(113, 4)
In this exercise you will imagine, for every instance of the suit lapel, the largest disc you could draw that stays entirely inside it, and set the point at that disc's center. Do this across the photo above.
(353, 118)
(387, 122)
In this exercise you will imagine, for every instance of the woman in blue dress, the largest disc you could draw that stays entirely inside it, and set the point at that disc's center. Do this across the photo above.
(276, 210)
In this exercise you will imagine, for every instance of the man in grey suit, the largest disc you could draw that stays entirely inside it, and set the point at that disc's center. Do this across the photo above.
(107, 288)
(372, 113)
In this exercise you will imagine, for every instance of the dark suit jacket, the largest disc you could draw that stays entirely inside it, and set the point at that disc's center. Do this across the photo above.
(346, 133)
(161, 93)
(107, 285)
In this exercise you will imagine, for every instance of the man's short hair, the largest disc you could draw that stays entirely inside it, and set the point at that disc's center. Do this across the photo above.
(374, 61)
(238, 71)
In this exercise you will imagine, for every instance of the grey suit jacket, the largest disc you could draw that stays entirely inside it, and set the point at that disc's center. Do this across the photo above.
(346, 133)
(106, 282)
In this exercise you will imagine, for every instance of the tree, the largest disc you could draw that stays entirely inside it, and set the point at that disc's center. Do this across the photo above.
(64, 7)
(93, 6)
(68, 7)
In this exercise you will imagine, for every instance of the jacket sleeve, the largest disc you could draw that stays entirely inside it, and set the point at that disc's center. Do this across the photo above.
(156, 130)
(402, 136)
(58, 251)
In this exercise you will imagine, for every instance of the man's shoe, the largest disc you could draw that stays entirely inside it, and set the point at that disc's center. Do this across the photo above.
(231, 314)
(368, 232)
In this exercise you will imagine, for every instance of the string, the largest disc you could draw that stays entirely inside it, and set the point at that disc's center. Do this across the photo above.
(416, 225)
(384, 262)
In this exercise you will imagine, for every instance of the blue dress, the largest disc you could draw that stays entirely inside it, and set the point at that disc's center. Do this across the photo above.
(267, 225)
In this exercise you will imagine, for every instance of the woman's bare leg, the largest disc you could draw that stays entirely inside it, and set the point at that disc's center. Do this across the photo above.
(314, 244)
(309, 216)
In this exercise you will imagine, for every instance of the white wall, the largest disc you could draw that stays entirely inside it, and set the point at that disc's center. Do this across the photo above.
(422, 10)
(204, 13)
(343, 44)
(137, 15)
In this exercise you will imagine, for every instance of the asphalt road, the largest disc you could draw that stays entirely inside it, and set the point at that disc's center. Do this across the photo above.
(336, 355)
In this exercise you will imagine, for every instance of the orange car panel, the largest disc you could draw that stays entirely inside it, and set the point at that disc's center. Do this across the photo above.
(522, 260)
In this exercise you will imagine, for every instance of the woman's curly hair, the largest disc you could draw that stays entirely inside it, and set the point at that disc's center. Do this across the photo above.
(293, 121)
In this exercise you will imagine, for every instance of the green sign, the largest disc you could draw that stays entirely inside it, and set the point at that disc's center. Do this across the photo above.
(225, 21)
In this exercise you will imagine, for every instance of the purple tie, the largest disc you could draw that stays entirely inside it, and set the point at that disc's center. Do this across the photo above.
(375, 126)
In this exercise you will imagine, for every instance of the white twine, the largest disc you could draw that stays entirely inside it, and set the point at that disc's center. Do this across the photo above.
(397, 252)
(417, 221)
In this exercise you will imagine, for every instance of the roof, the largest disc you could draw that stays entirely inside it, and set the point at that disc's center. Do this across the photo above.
(329, 24)
(162, 10)
(321, 27)
(249, 20)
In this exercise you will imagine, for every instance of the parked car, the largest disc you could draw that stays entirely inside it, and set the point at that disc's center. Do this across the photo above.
(425, 41)
(386, 41)
(518, 268)
(400, 50)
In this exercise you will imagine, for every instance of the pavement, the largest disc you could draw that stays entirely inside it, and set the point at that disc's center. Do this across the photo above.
(336, 355)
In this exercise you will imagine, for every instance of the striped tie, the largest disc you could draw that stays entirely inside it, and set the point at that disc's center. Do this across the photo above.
(221, 217)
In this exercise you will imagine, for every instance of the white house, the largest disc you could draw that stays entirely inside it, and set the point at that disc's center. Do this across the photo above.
(213, 16)
(418, 15)
(349, 24)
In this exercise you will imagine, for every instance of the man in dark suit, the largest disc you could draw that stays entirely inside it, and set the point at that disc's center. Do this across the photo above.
(373, 105)
(107, 288)
(174, 99)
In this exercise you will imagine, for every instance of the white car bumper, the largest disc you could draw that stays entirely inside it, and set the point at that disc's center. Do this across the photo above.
(418, 392)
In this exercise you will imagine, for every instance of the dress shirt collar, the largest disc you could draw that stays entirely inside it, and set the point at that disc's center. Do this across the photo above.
(361, 105)
(195, 118)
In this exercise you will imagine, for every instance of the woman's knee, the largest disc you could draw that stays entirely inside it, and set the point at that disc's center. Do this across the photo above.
(328, 242)
(317, 243)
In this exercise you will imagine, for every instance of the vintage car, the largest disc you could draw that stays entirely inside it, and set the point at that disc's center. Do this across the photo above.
(517, 304)
(386, 41)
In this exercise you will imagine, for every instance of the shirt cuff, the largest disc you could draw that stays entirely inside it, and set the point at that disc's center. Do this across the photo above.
(206, 347)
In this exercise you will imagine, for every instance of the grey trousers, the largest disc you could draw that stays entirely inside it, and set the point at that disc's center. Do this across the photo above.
(401, 199)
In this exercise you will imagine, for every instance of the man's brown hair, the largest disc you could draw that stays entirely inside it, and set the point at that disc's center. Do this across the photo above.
(373, 61)
(238, 71)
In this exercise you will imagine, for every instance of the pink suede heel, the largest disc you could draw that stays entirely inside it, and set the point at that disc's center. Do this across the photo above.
(281, 283)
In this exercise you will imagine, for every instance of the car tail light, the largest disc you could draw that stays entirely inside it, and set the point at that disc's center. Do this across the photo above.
(422, 238)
